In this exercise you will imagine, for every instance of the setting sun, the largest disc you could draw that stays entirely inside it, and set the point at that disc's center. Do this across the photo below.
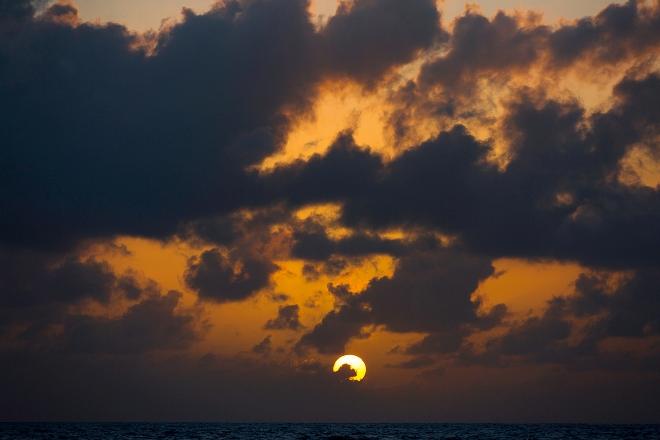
(355, 363)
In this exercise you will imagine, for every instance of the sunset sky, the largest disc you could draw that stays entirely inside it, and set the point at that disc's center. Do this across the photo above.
(204, 204)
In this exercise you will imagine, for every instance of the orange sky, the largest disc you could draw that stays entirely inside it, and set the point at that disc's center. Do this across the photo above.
(148, 14)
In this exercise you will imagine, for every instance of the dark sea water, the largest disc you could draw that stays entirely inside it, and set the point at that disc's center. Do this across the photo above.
(240, 431)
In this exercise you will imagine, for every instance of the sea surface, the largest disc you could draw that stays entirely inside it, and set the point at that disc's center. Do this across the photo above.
(332, 431)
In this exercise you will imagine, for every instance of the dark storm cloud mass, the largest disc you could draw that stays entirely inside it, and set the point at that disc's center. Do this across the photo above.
(206, 104)
(559, 196)
(366, 37)
(120, 142)
(101, 138)
(227, 277)
(429, 292)
(15, 10)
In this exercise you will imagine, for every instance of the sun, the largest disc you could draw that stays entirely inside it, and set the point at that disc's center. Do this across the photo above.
(355, 363)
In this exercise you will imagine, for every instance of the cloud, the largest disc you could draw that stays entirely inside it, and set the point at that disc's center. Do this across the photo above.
(29, 278)
(311, 242)
(149, 136)
(345, 372)
(365, 38)
(573, 330)
(438, 288)
(264, 347)
(482, 48)
(449, 184)
(537, 333)
(222, 277)
(332, 334)
(627, 311)
(287, 319)
(486, 58)
(152, 324)
(45, 303)
(618, 32)
(16, 10)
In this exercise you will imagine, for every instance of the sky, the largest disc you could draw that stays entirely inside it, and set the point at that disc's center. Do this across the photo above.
(143, 15)
(204, 208)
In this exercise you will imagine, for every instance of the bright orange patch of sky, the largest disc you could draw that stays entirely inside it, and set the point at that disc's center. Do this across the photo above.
(148, 14)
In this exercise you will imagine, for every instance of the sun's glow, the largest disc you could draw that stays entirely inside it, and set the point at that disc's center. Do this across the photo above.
(355, 363)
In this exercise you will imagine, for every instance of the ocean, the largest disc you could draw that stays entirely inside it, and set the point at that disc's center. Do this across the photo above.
(327, 431)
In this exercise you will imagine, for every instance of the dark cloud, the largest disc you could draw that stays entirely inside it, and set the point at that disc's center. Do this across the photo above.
(627, 310)
(444, 342)
(29, 278)
(104, 164)
(537, 333)
(558, 197)
(335, 266)
(482, 48)
(103, 136)
(220, 231)
(16, 10)
(571, 330)
(223, 277)
(287, 319)
(438, 288)
(311, 242)
(486, 56)
(335, 330)
(345, 168)
(280, 297)
(367, 37)
(40, 308)
(345, 372)
(62, 13)
(310, 272)
(618, 32)
(153, 324)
